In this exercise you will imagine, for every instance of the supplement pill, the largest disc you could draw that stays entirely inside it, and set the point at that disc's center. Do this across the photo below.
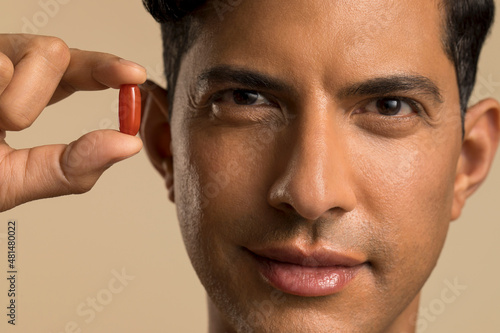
(129, 109)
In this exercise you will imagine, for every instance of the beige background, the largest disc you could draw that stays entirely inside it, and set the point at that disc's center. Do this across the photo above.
(69, 247)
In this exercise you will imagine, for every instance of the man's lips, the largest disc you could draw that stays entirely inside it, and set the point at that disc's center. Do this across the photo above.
(307, 272)
(318, 257)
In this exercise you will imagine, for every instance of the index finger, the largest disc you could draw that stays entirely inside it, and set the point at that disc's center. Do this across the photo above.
(46, 71)
(96, 71)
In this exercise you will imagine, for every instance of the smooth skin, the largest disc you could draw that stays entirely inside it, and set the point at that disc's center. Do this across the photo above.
(313, 165)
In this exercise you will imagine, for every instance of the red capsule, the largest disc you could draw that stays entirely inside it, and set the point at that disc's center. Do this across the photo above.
(130, 109)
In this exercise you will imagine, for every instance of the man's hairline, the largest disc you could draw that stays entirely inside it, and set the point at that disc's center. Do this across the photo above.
(200, 14)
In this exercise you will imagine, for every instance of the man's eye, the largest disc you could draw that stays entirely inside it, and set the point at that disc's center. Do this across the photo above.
(390, 107)
(243, 97)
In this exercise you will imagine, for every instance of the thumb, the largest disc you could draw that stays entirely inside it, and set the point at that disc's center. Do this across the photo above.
(56, 170)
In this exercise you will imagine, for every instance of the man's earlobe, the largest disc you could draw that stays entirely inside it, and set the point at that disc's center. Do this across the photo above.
(155, 132)
(482, 134)
(169, 179)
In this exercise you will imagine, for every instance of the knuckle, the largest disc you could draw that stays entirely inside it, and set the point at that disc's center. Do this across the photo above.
(54, 50)
(6, 69)
(58, 51)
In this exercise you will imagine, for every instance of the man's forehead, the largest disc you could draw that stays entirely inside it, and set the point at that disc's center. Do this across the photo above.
(366, 14)
(351, 41)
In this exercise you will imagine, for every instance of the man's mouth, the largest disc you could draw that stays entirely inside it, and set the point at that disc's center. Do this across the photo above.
(307, 272)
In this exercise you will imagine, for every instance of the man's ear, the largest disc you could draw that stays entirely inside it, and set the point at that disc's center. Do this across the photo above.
(482, 133)
(155, 132)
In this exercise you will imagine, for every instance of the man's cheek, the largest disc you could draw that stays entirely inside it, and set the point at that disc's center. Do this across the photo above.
(217, 175)
(404, 186)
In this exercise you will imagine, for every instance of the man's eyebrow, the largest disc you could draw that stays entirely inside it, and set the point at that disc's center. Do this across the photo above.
(385, 86)
(247, 78)
(381, 86)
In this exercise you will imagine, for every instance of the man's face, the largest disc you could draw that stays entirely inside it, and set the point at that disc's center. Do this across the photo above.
(315, 146)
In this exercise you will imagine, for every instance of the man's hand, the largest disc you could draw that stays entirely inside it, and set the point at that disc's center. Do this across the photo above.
(36, 71)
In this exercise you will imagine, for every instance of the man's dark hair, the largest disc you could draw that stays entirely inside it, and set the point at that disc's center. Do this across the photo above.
(466, 25)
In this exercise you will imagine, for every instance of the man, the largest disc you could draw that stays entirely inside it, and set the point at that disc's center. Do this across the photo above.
(316, 150)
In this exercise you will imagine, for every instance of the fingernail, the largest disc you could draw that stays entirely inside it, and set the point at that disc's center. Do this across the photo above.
(132, 64)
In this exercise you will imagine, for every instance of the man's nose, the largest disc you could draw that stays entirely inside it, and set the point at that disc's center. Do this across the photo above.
(316, 177)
